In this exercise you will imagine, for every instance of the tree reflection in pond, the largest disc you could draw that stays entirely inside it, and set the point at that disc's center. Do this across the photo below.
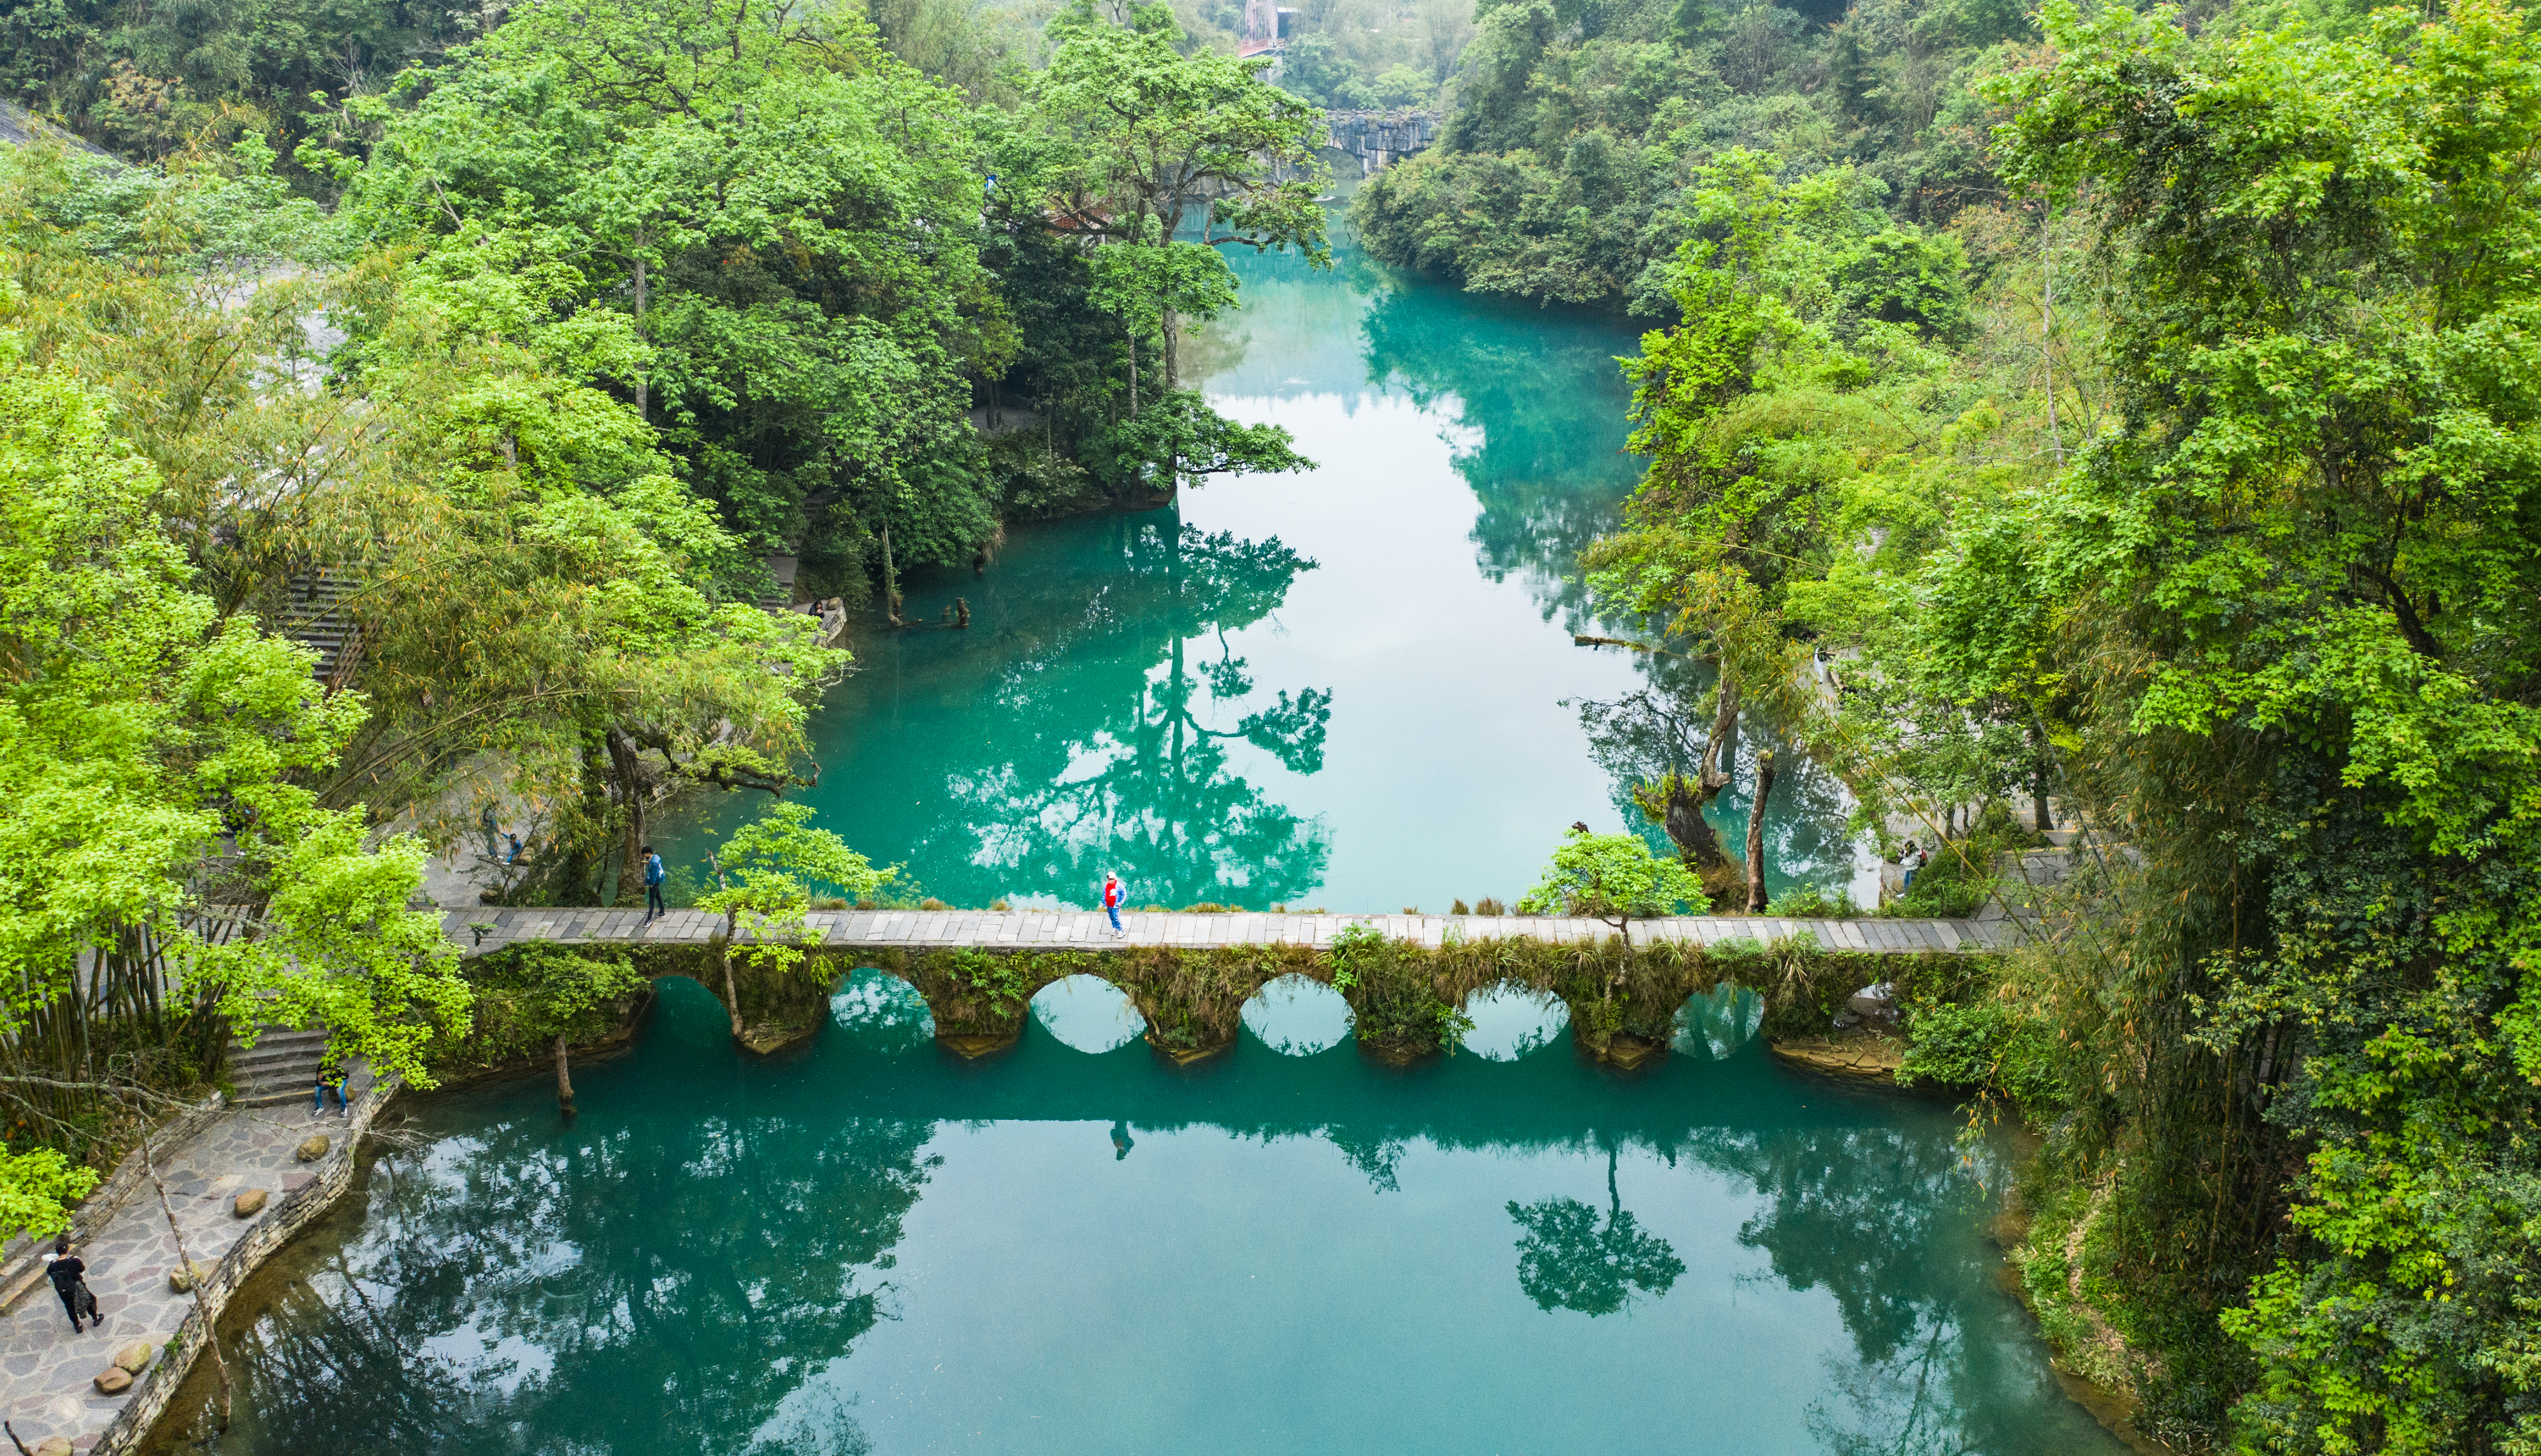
(1567, 1261)
(1082, 723)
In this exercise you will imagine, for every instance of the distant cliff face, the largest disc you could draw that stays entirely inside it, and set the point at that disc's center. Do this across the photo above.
(1378, 138)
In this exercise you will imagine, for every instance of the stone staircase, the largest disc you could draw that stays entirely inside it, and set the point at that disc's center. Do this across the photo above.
(318, 618)
(281, 1067)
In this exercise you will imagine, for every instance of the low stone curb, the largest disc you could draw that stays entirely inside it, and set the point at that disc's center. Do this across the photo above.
(282, 1221)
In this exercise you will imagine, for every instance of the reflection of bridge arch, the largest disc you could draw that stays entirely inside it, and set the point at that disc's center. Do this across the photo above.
(1296, 1015)
(1513, 1020)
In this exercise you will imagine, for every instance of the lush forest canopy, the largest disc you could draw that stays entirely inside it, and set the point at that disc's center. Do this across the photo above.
(499, 374)
(2184, 469)
(2132, 409)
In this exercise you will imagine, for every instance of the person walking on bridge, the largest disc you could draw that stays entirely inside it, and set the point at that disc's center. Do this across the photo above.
(1112, 903)
(654, 875)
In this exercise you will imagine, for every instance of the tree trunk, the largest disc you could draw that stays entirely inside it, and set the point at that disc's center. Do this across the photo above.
(1173, 349)
(624, 768)
(185, 1261)
(2039, 815)
(890, 581)
(642, 392)
(1692, 831)
(565, 1080)
(1133, 372)
(1756, 834)
(1721, 746)
(731, 996)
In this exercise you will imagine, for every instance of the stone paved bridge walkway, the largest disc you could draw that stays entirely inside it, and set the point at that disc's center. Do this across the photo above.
(489, 929)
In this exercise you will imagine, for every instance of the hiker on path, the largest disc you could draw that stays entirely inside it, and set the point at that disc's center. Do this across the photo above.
(70, 1280)
(328, 1080)
(1112, 901)
(654, 875)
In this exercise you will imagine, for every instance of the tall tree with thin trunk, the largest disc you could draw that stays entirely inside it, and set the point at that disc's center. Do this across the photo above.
(1756, 834)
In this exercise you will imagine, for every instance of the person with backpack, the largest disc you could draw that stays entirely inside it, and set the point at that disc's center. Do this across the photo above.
(654, 875)
(1111, 897)
(70, 1280)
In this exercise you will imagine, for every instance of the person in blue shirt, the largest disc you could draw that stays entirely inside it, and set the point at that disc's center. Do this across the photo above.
(654, 875)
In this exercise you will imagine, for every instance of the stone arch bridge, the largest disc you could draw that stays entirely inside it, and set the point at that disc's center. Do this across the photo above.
(1189, 973)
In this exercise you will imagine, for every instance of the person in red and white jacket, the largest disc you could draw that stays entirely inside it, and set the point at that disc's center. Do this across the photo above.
(1112, 901)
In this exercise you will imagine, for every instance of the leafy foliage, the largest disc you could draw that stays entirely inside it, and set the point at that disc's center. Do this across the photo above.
(1572, 165)
(1611, 878)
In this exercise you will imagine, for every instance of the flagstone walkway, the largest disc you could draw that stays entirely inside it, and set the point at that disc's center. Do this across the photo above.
(488, 928)
(45, 1370)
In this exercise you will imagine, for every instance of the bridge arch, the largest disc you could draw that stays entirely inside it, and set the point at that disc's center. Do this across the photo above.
(1089, 1013)
(1513, 1019)
(1296, 1015)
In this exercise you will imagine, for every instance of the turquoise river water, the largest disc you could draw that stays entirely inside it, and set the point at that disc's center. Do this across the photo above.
(871, 1246)
(1346, 688)
(1352, 687)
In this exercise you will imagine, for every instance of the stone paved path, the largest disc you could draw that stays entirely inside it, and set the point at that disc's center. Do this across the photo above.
(1077, 929)
(45, 1369)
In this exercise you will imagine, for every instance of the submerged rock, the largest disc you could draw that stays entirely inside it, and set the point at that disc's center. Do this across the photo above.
(973, 1047)
(1626, 1052)
(1186, 1055)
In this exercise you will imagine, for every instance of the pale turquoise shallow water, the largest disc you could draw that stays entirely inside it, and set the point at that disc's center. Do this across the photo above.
(1347, 687)
(871, 1246)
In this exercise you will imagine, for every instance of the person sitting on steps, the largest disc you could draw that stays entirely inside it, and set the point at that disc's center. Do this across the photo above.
(330, 1079)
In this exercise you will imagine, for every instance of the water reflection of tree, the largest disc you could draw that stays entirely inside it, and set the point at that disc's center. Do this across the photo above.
(1541, 404)
(622, 1293)
(1884, 1222)
(1091, 746)
(1661, 729)
(1567, 1260)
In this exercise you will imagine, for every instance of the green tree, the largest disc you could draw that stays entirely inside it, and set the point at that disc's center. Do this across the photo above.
(1611, 878)
(1133, 133)
(155, 761)
(561, 996)
(2296, 597)
(764, 874)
